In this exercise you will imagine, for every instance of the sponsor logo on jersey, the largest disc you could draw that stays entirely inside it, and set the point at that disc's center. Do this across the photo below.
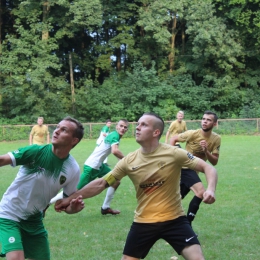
(190, 156)
(161, 164)
(151, 185)
(62, 179)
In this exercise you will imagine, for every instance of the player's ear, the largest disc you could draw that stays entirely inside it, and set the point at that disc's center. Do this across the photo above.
(156, 132)
(75, 140)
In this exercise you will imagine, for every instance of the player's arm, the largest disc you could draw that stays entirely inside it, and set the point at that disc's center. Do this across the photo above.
(212, 179)
(116, 152)
(174, 139)
(30, 139)
(211, 157)
(90, 190)
(5, 160)
(166, 137)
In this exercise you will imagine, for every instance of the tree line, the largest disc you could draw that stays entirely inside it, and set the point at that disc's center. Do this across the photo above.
(119, 58)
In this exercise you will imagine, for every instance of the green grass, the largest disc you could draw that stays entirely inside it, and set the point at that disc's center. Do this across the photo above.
(228, 229)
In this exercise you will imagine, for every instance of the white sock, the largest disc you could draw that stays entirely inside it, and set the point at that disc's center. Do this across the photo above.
(109, 197)
(57, 197)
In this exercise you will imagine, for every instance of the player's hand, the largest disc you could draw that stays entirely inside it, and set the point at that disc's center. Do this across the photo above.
(209, 197)
(76, 205)
(204, 145)
(61, 205)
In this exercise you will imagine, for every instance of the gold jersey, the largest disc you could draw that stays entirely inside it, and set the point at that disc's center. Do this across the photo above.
(177, 127)
(156, 178)
(39, 133)
(193, 138)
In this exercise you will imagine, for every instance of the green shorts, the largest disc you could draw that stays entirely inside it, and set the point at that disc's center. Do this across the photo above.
(89, 174)
(28, 236)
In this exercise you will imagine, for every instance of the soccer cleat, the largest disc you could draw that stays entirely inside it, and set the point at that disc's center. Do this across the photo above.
(109, 211)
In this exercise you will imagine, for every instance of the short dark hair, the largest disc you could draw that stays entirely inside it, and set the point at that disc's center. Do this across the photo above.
(159, 123)
(79, 131)
(208, 112)
(108, 120)
(124, 120)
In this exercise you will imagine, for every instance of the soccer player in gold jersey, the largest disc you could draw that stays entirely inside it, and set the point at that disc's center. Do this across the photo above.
(202, 143)
(155, 170)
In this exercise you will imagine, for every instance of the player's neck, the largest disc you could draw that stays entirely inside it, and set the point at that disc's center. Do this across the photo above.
(150, 147)
(60, 152)
(206, 133)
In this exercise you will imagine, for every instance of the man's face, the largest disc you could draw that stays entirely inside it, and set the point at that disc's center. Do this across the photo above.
(207, 122)
(121, 127)
(144, 129)
(180, 116)
(108, 124)
(63, 134)
(40, 121)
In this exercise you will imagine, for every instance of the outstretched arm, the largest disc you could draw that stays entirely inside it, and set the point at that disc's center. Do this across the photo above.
(212, 179)
(116, 152)
(5, 160)
(75, 206)
(174, 139)
(90, 190)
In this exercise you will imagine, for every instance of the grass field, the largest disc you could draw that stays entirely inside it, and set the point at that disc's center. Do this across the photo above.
(228, 229)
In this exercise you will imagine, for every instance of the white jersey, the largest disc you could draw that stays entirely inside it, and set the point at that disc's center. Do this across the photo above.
(101, 152)
(103, 134)
(39, 179)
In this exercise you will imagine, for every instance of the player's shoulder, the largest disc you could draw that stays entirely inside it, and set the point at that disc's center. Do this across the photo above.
(215, 135)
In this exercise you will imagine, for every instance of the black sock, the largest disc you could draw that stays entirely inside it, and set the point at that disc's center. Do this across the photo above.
(184, 190)
(193, 208)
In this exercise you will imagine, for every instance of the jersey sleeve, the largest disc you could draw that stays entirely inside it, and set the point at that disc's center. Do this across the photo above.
(112, 138)
(186, 159)
(120, 170)
(171, 127)
(32, 131)
(184, 137)
(24, 155)
(216, 147)
(71, 187)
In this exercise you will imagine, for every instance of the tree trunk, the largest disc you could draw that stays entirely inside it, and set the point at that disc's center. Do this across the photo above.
(72, 83)
(45, 11)
(171, 56)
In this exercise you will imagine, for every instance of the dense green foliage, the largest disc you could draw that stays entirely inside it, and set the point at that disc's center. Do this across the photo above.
(110, 59)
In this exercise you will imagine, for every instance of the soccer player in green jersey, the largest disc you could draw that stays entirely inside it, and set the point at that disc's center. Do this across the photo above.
(45, 169)
(94, 167)
(103, 134)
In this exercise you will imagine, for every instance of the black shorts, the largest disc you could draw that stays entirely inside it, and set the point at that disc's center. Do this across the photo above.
(142, 236)
(189, 177)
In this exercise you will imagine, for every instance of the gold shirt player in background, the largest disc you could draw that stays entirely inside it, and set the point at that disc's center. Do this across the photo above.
(178, 126)
(39, 132)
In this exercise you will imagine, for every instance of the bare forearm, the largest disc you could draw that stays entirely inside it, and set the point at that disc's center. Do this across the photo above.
(92, 189)
(213, 159)
(118, 154)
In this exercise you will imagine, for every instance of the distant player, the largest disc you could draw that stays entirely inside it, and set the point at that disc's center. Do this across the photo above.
(202, 143)
(177, 126)
(39, 132)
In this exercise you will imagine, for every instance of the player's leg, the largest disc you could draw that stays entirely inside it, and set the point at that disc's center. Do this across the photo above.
(11, 240)
(179, 234)
(193, 252)
(35, 240)
(191, 180)
(140, 239)
(194, 205)
(89, 174)
(106, 209)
